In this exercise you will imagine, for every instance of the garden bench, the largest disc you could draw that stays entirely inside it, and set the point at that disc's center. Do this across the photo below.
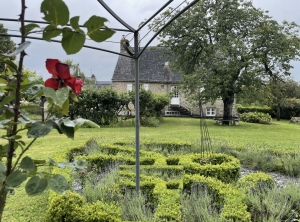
(231, 121)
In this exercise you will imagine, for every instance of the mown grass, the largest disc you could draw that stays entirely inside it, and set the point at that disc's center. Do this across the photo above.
(280, 135)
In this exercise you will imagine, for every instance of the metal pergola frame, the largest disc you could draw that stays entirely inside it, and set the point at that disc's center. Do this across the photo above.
(136, 55)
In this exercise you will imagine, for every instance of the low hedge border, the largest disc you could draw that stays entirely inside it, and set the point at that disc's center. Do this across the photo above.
(258, 180)
(226, 168)
(165, 194)
(232, 198)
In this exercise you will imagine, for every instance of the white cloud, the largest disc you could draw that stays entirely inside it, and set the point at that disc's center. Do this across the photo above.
(131, 11)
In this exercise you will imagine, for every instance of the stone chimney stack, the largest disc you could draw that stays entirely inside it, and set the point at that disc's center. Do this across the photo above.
(125, 47)
(122, 50)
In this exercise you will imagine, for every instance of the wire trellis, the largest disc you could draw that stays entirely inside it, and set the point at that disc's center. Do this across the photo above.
(205, 141)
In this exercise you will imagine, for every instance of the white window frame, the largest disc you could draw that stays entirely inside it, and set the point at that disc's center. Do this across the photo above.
(176, 91)
(211, 111)
(129, 87)
(146, 87)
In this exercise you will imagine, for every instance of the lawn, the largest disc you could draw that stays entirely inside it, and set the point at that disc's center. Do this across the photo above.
(280, 135)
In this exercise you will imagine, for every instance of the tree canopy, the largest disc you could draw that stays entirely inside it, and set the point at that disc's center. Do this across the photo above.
(6, 44)
(227, 45)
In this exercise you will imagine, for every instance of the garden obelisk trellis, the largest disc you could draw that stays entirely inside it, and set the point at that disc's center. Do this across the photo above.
(135, 55)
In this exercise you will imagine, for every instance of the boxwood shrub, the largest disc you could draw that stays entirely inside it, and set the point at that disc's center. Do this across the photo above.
(256, 117)
(164, 196)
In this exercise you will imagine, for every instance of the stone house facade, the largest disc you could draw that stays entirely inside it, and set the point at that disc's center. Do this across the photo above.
(157, 76)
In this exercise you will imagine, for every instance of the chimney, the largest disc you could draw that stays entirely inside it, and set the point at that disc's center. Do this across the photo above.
(124, 46)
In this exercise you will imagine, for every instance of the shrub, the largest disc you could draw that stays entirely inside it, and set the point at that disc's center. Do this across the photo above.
(255, 117)
(256, 181)
(277, 204)
(261, 109)
(199, 205)
(67, 207)
(150, 121)
(230, 199)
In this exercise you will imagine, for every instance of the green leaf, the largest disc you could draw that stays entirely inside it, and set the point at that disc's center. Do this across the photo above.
(80, 121)
(40, 129)
(35, 89)
(36, 185)
(68, 122)
(20, 49)
(3, 122)
(94, 24)
(56, 125)
(51, 31)
(11, 65)
(68, 131)
(56, 12)
(8, 113)
(30, 27)
(79, 164)
(72, 41)
(27, 164)
(2, 168)
(2, 178)
(52, 162)
(58, 183)
(16, 178)
(65, 108)
(3, 82)
(39, 161)
(74, 22)
(7, 99)
(29, 107)
(73, 97)
(59, 97)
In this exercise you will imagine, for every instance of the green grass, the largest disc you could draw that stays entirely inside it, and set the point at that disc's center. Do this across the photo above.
(280, 135)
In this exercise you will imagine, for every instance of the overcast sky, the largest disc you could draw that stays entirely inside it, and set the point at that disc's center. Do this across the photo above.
(102, 64)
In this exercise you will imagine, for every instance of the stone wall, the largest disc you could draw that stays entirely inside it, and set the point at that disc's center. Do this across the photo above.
(166, 88)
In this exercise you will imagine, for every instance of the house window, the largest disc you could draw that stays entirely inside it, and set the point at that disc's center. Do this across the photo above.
(129, 87)
(210, 111)
(146, 86)
(175, 90)
(162, 87)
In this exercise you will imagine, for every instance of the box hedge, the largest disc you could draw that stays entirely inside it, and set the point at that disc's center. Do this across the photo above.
(164, 196)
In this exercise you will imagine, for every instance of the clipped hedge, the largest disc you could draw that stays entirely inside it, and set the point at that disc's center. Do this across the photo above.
(167, 201)
(256, 180)
(165, 145)
(70, 207)
(221, 166)
(232, 198)
(256, 117)
(261, 109)
(164, 196)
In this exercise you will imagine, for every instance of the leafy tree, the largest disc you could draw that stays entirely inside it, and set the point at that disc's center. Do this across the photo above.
(150, 104)
(227, 45)
(262, 96)
(6, 44)
(284, 93)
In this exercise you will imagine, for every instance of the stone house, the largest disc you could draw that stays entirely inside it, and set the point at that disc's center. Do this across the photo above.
(92, 81)
(156, 75)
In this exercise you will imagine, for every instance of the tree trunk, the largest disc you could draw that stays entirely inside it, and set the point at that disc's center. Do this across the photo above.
(278, 112)
(3, 195)
(228, 103)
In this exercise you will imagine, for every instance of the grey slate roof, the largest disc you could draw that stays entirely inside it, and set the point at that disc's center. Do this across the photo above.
(152, 68)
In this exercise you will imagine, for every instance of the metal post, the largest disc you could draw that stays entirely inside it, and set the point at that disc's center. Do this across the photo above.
(137, 111)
